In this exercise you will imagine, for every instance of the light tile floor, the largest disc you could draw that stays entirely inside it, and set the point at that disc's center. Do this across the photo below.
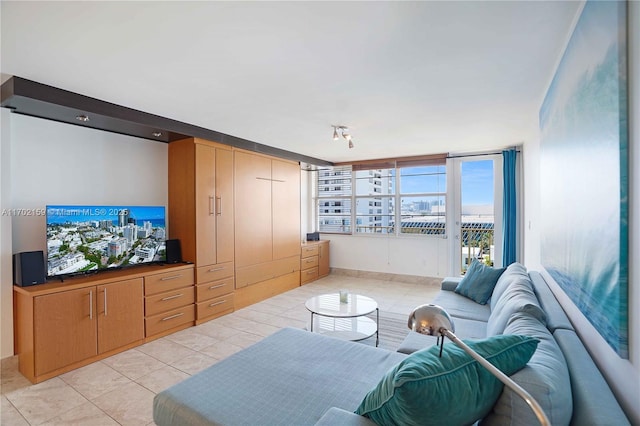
(120, 389)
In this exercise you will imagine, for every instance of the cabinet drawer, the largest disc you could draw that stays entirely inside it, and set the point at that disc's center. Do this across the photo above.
(309, 262)
(214, 289)
(169, 300)
(170, 319)
(215, 306)
(308, 275)
(309, 251)
(160, 283)
(205, 274)
(266, 271)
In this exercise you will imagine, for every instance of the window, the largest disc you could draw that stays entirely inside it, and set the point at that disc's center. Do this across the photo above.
(416, 185)
(422, 199)
(334, 196)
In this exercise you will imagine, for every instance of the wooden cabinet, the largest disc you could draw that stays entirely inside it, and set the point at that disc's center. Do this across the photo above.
(201, 215)
(74, 325)
(314, 261)
(254, 233)
(64, 329)
(169, 299)
(214, 291)
(120, 308)
(285, 210)
(201, 200)
(323, 258)
(267, 223)
(62, 326)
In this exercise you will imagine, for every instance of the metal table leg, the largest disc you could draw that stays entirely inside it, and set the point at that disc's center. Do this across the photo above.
(377, 326)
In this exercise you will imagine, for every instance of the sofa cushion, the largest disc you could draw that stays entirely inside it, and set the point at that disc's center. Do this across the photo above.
(461, 307)
(468, 329)
(450, 283)
(478, 282)
(545, 377)
(426, 389)
(513, 271)
(415, 342)
(556, 317)
(517, 297)
(593, 401)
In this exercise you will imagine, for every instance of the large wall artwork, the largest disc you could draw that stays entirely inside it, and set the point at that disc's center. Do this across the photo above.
(584, 169)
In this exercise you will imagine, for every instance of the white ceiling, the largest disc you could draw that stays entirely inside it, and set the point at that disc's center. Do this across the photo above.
(407, 78)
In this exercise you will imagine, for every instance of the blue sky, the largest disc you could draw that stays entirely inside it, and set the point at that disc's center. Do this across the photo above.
(57, 214)
(477, 182)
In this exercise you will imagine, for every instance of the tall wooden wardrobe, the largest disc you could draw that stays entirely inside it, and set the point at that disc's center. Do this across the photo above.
(201, 216)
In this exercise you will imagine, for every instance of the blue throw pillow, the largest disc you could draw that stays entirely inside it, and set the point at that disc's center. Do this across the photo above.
(426, 389)
(478, 282)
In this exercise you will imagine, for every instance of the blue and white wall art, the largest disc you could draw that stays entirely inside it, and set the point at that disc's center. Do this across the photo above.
(584, 171)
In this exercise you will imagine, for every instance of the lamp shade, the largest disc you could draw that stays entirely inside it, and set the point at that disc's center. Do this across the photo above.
(429, 319)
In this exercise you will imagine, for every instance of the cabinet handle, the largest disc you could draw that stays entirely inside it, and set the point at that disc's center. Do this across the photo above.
(217, 286)
(217, 303)
(310, 272)
(105, 302)
(278, 180)
(216, 269)
(175, 296)
(173, 277)
(173, 316)
(212, 207)
(261, 178)
(90, 304)
(219, 206)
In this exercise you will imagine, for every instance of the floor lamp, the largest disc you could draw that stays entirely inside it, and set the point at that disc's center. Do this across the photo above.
(433, 320)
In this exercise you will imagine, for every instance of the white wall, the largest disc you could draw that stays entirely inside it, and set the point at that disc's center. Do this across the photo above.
(424, 256)
(6, 271)
(55, 163)
(623, 375)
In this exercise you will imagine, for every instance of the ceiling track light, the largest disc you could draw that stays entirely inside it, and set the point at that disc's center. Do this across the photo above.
(342, 131)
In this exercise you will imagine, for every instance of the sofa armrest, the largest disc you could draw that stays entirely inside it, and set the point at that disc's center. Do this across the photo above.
(337, 416)
(450, 283)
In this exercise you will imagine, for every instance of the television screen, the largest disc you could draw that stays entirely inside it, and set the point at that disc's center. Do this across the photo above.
(91, 238)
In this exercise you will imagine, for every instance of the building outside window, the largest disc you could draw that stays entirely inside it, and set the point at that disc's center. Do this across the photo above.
(376, 189)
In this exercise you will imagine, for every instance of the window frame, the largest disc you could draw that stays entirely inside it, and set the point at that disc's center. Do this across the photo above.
(396, 217)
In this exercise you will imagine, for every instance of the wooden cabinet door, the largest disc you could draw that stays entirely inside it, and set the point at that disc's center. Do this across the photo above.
(252, 182)
(224, 206)
(120, 314)
(64, 328)
(286, 209)
(205, 205)
(323, 258)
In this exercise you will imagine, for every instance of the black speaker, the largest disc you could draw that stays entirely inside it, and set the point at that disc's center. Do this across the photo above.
(174, 253)
(313, 236)
(28, 268)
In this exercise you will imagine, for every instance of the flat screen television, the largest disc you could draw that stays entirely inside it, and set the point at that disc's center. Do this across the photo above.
(82, 239)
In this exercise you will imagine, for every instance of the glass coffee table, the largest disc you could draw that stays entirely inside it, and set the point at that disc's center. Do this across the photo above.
(343, 320)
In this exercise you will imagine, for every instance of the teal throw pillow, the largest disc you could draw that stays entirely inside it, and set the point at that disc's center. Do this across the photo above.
(478, 282)
(426, 389)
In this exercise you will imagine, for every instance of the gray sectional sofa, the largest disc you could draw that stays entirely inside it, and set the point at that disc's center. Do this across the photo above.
(294, 377)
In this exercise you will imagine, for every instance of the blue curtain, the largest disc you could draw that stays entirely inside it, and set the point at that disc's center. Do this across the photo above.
(509, 223)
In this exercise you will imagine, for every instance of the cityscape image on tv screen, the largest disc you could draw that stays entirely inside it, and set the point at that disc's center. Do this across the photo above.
(90, 238)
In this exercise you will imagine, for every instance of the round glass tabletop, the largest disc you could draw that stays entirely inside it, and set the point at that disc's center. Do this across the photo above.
(329, 305)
